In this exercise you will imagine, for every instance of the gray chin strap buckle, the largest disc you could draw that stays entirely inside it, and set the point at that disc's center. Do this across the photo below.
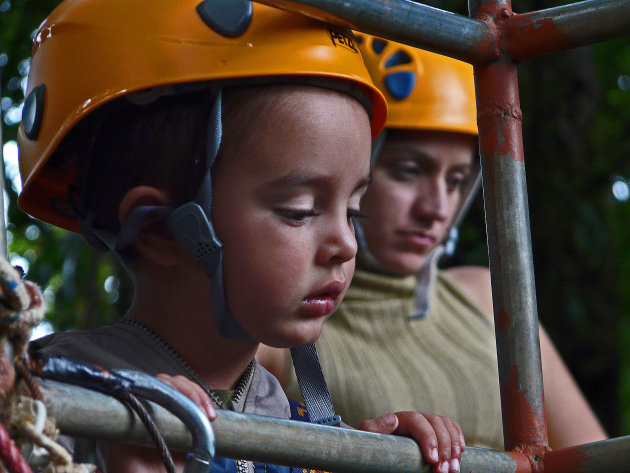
(191, 227)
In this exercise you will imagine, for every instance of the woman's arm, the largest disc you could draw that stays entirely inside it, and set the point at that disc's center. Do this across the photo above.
(570, 419)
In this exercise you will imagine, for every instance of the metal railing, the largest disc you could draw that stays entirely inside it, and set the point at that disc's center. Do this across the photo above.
(494, 40)
(313, 446)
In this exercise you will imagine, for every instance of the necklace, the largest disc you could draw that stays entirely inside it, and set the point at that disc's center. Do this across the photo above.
(241, 387)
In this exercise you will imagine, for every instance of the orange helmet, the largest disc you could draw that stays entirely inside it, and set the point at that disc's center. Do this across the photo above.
(88, 53)
(424, 90)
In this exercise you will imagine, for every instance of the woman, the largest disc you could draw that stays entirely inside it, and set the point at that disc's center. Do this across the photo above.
(409, 335)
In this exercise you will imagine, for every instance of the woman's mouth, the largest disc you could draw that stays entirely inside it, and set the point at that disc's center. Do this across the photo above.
(324, 301)
(418, 240)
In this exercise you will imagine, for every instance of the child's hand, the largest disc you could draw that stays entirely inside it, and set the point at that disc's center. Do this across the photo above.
(192, 391)
(441, 439)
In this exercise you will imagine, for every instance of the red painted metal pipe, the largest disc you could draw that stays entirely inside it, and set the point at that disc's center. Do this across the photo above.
(509, 245)
(597, 457)
(547, 31)
(507, 216)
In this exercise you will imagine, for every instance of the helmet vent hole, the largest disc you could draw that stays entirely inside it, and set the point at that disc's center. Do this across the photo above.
(400, 84)
(397, 59)
(203, 250)
(378, 45)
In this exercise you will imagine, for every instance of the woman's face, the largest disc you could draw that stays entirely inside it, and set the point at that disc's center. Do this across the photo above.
(415, 192)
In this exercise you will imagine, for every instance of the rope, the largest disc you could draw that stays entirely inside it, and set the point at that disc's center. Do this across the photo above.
(21, 319)
(21, 309)
(10, 455)
(23, 372)
(21, 306)
(58, 453)
(139, 409)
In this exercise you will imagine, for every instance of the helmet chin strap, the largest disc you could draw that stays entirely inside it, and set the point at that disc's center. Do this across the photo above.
(192, 227)
(190, 224)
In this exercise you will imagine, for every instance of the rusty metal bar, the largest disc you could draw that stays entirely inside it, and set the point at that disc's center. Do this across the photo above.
(547, 31)
(5, 346)
(404, 21)
(4, 251)
(86, 413)
(597, 457)
(509, 245)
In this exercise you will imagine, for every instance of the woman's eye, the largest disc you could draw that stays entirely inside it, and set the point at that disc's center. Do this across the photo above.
(297, 216)
(355, 216)
(456, 181)
(405, 169)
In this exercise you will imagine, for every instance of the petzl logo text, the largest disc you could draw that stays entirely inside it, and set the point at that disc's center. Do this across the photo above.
(343, 40)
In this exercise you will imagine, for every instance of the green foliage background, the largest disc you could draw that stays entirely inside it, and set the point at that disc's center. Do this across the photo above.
(577, 140)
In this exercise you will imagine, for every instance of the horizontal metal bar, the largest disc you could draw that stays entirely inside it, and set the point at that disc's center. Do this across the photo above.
(404, 21)
(85, 413)
(597, 457)
(556, 29)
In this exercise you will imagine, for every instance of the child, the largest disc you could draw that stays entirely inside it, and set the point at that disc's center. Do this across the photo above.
(423, 177)
(147, 120)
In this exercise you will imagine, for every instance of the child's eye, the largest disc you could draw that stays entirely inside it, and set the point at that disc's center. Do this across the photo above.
(297, 216)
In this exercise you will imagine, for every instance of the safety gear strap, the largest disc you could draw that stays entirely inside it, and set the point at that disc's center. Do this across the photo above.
(367, 257)
(227, 325)
(313, 385)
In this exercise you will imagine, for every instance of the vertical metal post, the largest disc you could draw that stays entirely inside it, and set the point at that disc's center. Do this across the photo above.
(509, 242)
(6, 347)
(3, 226)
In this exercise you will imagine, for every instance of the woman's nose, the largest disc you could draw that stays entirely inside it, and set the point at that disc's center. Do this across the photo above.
(432, 201)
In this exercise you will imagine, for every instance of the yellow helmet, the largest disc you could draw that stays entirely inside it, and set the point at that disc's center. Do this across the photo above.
(89, 52)
(424, 90)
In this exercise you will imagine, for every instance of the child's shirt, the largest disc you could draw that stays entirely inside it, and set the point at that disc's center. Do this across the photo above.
(132, 346)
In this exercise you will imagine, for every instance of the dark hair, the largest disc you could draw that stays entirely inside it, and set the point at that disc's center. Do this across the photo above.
(124, 145)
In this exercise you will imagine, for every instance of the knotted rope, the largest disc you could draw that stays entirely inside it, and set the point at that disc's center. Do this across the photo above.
(21, 310)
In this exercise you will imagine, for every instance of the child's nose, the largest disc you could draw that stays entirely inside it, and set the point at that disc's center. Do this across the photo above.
(340, 243)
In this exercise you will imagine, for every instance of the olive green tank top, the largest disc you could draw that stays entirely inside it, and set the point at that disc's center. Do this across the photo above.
(377, 359)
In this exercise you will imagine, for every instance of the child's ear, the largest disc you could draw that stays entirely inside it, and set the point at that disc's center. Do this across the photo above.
(155, 239)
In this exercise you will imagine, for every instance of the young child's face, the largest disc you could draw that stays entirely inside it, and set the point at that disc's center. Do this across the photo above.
(415, 193)
(283, 195)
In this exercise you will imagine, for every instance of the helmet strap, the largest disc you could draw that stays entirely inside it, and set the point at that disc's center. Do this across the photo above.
(192, 227)
(366, 257)
(425, 279)
(377, 147)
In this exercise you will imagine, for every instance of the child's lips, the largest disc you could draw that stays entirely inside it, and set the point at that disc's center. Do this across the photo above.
(324, 301)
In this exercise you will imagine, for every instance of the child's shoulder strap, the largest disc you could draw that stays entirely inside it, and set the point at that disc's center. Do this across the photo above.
(300, 413)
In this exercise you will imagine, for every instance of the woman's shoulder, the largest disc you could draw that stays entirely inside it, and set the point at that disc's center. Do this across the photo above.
(474, 281)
